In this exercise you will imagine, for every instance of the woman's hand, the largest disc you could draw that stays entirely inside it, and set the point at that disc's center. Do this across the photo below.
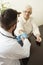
(38, 38)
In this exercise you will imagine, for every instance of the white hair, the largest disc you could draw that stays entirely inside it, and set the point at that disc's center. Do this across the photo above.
(27, 7)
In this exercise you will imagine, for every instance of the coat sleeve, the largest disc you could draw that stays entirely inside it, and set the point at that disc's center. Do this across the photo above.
(21, 52)
(13, 50)
(35, 29)
(19, 29)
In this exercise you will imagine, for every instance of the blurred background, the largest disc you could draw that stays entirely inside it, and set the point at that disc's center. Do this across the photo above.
(37, 7)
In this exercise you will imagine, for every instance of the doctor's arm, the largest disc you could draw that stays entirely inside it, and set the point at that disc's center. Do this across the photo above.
(22, 52)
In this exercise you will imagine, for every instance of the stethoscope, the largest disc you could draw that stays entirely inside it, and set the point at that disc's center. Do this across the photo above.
(14, 37)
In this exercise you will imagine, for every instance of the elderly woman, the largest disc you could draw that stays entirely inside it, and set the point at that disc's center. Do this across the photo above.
(27, 24)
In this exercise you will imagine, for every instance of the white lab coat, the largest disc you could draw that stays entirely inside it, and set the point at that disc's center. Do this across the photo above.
(28, 26)
(11, 51)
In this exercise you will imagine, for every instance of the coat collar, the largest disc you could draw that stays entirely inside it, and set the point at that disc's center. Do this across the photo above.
(5, 32)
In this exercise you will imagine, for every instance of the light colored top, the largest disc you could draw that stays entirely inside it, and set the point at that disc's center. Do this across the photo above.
(11, 51)
(28, 26)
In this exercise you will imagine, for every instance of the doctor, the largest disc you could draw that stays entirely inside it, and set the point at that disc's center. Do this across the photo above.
(27, 24)
(10, 50)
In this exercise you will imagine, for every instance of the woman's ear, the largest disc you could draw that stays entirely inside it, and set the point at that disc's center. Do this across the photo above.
(31, 11)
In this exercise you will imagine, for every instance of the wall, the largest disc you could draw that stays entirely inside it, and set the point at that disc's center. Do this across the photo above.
(37, 6)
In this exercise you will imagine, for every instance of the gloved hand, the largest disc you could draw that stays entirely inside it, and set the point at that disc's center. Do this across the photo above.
(24, 35)
(19, 38)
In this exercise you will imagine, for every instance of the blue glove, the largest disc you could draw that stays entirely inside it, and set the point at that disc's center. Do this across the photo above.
(24, 35)
(19, 40)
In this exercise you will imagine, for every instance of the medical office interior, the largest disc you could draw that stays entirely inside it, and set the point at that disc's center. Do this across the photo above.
(36, 56)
